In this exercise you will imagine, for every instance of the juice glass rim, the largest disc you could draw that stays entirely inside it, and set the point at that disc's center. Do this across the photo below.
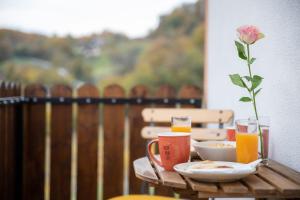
(240, 125)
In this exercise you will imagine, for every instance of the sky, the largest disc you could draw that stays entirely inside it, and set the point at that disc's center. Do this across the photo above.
(133, 17)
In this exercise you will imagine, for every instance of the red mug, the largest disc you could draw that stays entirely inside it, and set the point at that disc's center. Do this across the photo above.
(174, 148)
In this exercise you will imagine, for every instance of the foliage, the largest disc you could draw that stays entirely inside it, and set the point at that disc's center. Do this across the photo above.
(170, 54)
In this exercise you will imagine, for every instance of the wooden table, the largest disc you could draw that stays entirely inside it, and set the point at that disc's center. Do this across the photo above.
(272, 181)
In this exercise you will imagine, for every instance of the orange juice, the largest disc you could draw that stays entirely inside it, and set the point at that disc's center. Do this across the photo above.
(246, 147)
(181, 129)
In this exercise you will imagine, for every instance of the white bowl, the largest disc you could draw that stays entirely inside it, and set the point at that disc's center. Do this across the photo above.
(208, 151)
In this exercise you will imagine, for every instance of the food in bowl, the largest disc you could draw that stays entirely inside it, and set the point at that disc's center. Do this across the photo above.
(221, 145)
(216, 150)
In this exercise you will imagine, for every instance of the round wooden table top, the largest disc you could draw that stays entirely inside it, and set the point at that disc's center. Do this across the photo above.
(272, 181)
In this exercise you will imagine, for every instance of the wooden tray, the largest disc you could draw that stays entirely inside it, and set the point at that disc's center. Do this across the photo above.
(274, 180)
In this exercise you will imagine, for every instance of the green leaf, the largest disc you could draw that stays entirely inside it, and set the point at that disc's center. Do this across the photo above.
(256, 80)
(252, 60)
(245, 99)
(237, 80)
(241, 50)
(257, 91)
(248, 78)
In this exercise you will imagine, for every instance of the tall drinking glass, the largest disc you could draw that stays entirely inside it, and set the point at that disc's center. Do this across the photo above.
(181, 124)
(246, 140)
(264, 123)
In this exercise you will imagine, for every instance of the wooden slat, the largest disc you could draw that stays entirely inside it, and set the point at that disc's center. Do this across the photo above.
(197, 115)
(34, 145)
(143, 170)
(113, 126)
(18, 132)
(10, 147)
(87, 140)
(2, 136)
(3, 144)
(245, 195)
(233, 187)
(149, 132)
(284, 170)
(61, 133)
(170, 178)
(283, 184)
(164, 91)
(221, 194)
(201, 186)
(137, 144)
(258, 186)
(190, 91)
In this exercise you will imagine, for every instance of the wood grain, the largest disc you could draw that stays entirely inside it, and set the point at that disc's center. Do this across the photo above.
(246, 195)
(284, 170)
(201, 186)
(164, 91)
(150, 132)
(143, 170)
(34, 145)
(113, 126)
(197, 115)
(190, 92)
(10, 146)
(258, 186)
(233, 187)
(282, 184)
(3, 141)
(273, 185)
(170, 178)
(137, 143)
(18, 134)
(61, 135)
(87, 140)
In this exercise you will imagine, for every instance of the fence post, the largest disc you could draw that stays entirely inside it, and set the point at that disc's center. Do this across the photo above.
(137, 143)
(2, 130)
(34, 145)
(61, 136)
(3, 134)
(165, 91)
(113, 126)
(87, 139)
(10, 146)
(190, 91)
(8, 184)
(18, 124)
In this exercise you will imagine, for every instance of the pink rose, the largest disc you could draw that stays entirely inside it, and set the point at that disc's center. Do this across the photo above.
(249, 34)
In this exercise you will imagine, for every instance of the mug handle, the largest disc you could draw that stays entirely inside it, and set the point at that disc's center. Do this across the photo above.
(152, 157)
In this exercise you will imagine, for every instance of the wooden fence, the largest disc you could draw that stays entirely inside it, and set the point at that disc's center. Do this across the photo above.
(28, 129)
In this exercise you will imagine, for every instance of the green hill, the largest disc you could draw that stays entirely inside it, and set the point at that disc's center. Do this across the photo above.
(171, 54)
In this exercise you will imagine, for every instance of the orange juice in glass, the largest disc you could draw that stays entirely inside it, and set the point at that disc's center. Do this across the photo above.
(246, 140)
(181, 124)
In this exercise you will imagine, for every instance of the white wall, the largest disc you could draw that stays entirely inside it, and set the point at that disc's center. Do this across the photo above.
(278, 60)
